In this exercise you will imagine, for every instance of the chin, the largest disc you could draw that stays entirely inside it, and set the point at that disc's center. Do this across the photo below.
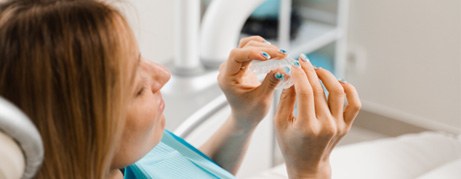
(158, 133)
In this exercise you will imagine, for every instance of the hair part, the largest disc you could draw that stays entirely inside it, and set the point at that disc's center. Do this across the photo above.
(64, 63)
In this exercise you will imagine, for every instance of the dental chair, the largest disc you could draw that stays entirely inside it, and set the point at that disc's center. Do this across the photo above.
(21, 147)
(427, 155)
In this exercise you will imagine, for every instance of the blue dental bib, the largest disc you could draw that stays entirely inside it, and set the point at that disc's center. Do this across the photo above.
(175, 158)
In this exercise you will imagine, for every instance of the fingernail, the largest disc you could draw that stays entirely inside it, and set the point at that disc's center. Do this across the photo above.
(267, 42)
(303, 57)
(342, 81)
(296, 64)
(266, 55)
(283, 51)
(316, 67)
(278, 75)
(287, 70)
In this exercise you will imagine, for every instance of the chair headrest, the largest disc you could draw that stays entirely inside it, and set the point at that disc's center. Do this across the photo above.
(12, 163)
(14, 123)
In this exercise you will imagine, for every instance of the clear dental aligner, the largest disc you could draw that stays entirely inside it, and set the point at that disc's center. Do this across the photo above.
(264, 67)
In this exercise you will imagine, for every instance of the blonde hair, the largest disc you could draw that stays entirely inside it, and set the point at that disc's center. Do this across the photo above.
(65, 64)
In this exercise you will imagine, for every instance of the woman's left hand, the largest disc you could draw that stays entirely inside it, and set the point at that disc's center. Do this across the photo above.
(249, 99)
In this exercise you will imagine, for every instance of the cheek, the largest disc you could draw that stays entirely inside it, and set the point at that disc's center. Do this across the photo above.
(146, 124)
(143, 130)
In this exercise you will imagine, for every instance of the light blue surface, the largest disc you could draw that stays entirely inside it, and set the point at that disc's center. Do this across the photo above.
(321, 60)
(175, 158)
(268, 9)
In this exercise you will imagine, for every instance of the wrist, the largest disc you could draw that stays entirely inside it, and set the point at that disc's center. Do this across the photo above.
(245, 122)
(312, 172)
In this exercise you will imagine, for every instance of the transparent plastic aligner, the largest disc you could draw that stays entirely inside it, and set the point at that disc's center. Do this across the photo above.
(264, 67)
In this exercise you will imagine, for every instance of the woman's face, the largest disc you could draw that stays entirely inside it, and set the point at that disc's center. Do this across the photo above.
(145, 120)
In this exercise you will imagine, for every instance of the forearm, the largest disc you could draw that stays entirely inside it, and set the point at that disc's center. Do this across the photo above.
(229, 144)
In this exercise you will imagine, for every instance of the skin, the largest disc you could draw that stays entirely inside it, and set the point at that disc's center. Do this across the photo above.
(307, 139)
(249, 100)
(145, 119)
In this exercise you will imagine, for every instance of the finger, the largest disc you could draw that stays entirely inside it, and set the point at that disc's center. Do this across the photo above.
(271, 81)
(284, 115)
(240, 58)
(245, 40)
(254, 43)
(321, 106)
(281, 53)
(353, 103)
(335, 90)
(304, 95)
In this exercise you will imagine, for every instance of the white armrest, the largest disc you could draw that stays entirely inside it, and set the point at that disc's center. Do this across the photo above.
(450, 170)
(408, 156)
(201, 116)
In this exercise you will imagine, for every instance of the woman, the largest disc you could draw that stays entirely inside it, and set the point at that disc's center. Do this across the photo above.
(74, 68)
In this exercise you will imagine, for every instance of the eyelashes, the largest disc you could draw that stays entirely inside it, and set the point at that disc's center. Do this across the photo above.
(141, 90)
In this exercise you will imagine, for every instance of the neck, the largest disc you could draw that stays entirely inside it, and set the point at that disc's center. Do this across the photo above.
(115, 174)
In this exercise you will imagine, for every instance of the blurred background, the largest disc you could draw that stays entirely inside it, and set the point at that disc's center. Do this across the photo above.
(404, 57)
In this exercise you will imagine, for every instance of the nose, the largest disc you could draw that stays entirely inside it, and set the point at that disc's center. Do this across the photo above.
(159, 74)
(163, 73)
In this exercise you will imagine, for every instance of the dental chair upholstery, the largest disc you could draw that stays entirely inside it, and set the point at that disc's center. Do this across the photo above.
(21, 147)
(428, 155)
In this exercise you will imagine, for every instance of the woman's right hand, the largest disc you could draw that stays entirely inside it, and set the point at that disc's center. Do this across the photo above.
(307, 139)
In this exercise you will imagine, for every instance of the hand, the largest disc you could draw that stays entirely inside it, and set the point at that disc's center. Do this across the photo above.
(307, 139)
(249, 99)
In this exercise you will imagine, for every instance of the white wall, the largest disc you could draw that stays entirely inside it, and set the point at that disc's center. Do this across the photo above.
(152, 22)
(412, 59)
